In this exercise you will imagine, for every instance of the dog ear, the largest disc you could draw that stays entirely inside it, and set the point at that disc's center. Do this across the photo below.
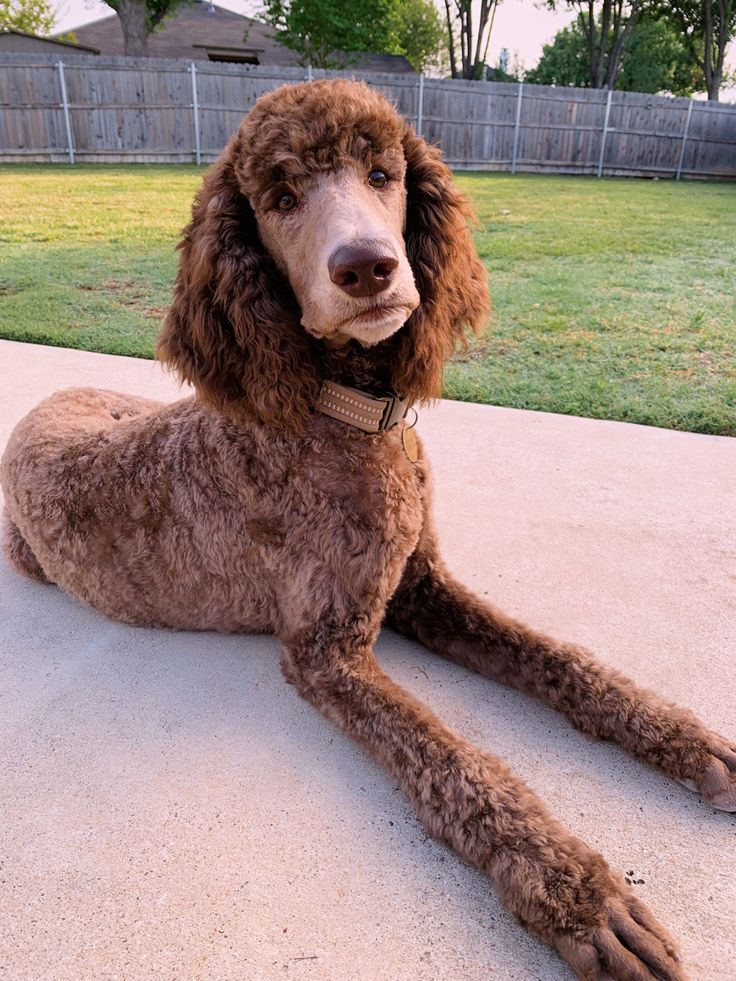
(450, 278)
(233, 326)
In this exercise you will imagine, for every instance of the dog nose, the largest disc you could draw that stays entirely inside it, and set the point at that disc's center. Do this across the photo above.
(362, 268)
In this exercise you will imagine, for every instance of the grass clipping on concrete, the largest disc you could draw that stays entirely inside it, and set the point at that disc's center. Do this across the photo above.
(614, 299)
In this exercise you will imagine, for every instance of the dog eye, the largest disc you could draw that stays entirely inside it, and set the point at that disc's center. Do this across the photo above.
(287, 201)
(377, 178)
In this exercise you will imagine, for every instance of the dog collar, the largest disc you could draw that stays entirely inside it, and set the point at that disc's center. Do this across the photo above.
(371, 413)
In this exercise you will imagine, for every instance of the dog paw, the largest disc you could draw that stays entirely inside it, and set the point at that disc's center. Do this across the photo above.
(628, 945)
(571, 899)
(716, 781)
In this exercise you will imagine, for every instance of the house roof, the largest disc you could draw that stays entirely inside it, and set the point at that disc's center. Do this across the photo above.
(198, 29)
(26, 39)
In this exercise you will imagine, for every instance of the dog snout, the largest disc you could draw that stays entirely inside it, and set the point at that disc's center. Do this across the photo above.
(362, 268)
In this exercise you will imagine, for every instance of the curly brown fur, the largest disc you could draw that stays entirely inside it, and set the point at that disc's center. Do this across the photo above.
(19, 553)
(242, 510)
(233, 326)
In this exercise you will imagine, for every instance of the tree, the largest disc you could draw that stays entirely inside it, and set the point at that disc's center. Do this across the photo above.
(326, 33)
(707, 27)
(654, 59)
(474, 36)
(657, 60)
(418, 33)
(31, 16)
(606, 25)
(138, 19)
(564, 61)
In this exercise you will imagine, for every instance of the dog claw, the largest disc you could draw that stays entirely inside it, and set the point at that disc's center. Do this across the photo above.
(629, 945)
(689, 785)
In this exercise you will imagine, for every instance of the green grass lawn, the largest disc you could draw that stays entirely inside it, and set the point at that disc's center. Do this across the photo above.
(614, 299)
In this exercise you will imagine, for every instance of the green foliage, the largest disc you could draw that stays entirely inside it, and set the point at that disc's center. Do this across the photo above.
(703, 29)
(607, 26)
(655, 59)
(417, 31)
(612, 298)
(564, 61)
(706, 28)
(31, 16)
(326, 32)
(154, 12)
(157, 11)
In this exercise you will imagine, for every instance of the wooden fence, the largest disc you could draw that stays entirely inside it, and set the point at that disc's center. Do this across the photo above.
(100, 109)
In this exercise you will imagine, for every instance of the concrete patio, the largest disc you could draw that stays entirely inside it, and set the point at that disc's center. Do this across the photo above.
(171, 809)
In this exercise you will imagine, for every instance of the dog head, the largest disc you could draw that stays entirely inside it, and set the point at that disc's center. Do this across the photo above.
(325, 223)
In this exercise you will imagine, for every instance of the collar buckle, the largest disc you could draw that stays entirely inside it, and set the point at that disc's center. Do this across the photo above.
(396, 410)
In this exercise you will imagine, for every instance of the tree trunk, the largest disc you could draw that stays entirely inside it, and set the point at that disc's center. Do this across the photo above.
(589, 31)
(714, 86)
(464, 11)
(715, 45)
(615, 59)
(478, 66)
(601, 53)
(473, 43)
(451, 41)
(132, 14)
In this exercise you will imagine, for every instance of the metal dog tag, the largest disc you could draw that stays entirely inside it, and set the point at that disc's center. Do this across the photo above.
(409, 443)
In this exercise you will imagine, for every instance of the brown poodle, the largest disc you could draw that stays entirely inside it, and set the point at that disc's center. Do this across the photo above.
(325, 277)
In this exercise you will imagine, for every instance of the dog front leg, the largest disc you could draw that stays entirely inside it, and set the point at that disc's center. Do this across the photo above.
(433, 608)
(558, 888)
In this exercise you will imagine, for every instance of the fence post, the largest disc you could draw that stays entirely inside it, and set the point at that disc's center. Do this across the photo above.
(309, 72)
(195, 108)
(517, 127)
(605, 132)
(420, 104)
(65, 105)
(684, 140)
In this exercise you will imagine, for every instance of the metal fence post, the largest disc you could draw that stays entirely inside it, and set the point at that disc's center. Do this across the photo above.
(517, 127)
(195, 108)
(65, 105)
(605, 132)
(684, 140)
(420, 104)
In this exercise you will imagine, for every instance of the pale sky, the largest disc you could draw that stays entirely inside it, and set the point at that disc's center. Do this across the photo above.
(520, 26)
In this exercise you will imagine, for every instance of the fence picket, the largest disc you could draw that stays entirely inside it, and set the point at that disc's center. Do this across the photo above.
(195, 112)
(517, 128)
(65, 107)
(604, 135)
(684, 141)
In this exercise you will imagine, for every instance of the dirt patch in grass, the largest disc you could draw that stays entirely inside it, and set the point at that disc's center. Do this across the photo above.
(156, 313)
(127, 293)
(109, 286)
